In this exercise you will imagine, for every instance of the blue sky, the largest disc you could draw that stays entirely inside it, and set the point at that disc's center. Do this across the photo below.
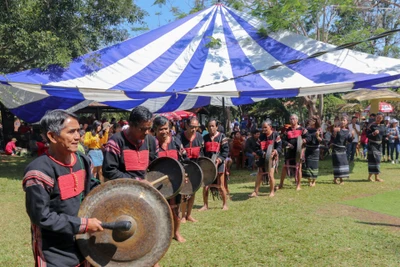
(153, 21)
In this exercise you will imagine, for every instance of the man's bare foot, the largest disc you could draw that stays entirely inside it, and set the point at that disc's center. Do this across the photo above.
(183, 220)
(279, 187)
(370, 179)
(335, 181)
(254, 194)
(203, 208)
(179, 238)
(271, 194)
(378, 180)
(298, 188)
(225, 207)
(191, 219)
(341, 183)
(156, 265)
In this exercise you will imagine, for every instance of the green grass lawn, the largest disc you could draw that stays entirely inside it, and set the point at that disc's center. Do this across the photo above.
(310, 227)
(387, 203)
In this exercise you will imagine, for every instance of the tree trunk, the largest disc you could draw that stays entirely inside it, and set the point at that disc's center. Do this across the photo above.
(321, 106)
(311, 104)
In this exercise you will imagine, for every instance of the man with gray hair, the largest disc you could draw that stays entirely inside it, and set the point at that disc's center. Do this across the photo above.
(289, 141)
(267, 138)
(55, 184)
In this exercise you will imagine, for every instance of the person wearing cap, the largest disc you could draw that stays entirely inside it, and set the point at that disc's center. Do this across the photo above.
(12, 149)
(352, 147)
(94, 140)
(376, 133)
(393, 139)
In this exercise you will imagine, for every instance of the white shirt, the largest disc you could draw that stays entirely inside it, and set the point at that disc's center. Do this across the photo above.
(355, 140)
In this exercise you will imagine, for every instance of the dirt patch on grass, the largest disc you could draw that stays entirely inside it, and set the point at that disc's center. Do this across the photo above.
(362, 216)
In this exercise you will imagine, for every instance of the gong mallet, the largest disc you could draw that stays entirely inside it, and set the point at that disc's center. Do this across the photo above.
(120, 226)
(162, 178)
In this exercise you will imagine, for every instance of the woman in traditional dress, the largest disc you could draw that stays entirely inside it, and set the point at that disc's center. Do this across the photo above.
(341, 136)
(94, 140)
(376, 132)
(237, 149)
(313, 138)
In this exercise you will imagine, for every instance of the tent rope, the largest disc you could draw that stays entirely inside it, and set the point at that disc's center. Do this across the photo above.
(294, 61)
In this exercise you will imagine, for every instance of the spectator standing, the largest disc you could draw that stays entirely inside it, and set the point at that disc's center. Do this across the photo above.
(393, 140)
(251, 147)
(352, 146)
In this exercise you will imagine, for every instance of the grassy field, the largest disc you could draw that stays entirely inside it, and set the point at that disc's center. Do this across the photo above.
(387, 203)
(311, 227)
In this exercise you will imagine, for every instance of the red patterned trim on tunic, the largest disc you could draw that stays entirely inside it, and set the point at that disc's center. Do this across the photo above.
(84, 225)
(112, 147)
(72, 184)
(40, 261)
(39, 176)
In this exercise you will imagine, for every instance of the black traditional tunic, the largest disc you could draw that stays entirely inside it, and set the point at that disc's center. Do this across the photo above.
(290, 137)
(265, 141)
(54, 192)
(216, 145)
(173, 150)
(340, 162)
(310, 165)
(124, 159)
(375, 147)
(193, 146)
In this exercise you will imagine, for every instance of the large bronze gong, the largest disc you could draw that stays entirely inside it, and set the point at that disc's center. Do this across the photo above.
(269, 162)
(170, 167)
(140, 206)
(299, 149)
(209, 170)
(194, 178)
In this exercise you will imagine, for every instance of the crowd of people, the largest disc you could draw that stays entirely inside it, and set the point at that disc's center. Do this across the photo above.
(56, 182)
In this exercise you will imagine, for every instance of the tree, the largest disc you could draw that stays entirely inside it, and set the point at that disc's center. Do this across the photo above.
(39, 33)
(331, 21)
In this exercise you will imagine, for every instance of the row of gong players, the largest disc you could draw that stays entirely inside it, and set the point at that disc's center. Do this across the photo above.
(129, 153)
(56, 183)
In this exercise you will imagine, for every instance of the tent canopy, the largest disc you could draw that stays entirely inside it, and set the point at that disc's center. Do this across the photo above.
(365, 94)
(191, 63)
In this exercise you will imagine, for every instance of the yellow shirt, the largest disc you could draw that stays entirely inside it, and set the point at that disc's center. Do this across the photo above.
(95, 142)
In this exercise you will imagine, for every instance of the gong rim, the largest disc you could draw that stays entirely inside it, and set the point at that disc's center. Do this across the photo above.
(145, 206)
(299, 148)
(195, 181)
(209, 169)
(159, 167)
(268, 159)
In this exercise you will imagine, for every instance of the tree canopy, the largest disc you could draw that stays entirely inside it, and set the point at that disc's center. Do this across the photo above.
(39, 33)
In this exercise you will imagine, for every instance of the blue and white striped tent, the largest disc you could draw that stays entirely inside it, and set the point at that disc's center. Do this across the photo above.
(175, 67)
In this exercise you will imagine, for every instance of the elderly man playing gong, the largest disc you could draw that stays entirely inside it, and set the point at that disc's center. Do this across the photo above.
(267, 138)
(289, 141)
(216, 147)
(55, 184)
(192, 142)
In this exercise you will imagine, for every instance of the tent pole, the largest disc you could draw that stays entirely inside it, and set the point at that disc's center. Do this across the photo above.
(224, 115)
